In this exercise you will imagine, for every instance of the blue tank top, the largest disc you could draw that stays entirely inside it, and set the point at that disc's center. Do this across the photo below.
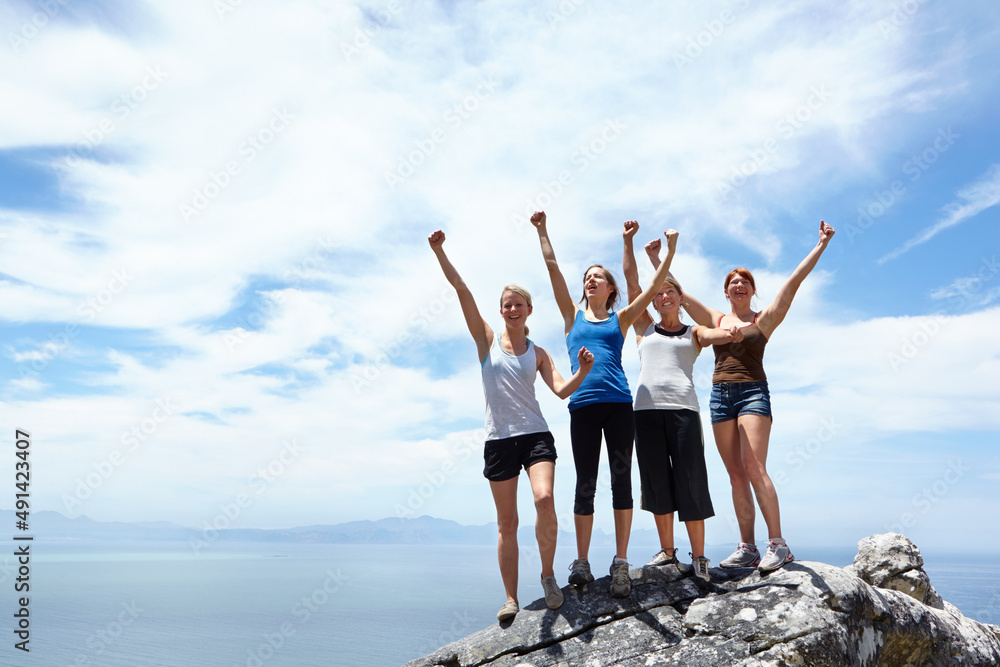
(605, 383)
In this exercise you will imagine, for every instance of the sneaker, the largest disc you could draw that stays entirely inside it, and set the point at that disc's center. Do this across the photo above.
(775, 556)
(553, 595)
(699, 567)
(746, 555)
(579, 574)
(508, 610)
(621, 585)
(663, 557)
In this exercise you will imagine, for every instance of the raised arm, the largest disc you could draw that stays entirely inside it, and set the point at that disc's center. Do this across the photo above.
(772, 315)
(699, 312)
(631, 272)
(480, 330)
(631, 312)
(567, 307)
(551, 377)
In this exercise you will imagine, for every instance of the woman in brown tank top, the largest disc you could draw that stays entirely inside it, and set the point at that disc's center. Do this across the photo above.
(741, 412)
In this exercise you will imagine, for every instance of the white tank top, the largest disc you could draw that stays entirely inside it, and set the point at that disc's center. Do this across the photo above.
(509, 385)
(666, 362)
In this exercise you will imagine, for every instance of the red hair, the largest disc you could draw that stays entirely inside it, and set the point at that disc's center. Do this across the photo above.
(742, 272)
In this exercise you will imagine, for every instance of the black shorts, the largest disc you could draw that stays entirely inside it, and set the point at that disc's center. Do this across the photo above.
(505, 457)
(672, 472)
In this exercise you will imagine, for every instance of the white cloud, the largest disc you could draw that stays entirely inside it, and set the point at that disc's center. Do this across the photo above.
(301, 300)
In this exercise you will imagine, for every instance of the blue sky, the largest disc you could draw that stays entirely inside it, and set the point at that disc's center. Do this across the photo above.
(218, 292)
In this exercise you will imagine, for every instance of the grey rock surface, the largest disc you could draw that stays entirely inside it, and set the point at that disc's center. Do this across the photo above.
(804, 614)
(890, 560)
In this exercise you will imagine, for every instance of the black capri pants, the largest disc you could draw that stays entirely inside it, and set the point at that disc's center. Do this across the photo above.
(671, 453)
(586, 425)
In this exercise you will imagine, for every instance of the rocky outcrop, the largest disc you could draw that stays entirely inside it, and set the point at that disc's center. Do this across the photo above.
(892, 561)
(881, 610)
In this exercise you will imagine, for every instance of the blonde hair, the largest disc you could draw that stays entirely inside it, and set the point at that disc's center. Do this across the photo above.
(670, 280)
(517, 289)
(676, 285)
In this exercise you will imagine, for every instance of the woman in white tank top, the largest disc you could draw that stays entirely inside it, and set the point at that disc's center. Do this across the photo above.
(517, 434)
(670, 447)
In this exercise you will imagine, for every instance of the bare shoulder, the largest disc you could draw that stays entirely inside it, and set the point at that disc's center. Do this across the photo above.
(541, 356)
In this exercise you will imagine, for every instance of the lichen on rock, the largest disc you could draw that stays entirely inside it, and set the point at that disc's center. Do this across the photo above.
(880, 611)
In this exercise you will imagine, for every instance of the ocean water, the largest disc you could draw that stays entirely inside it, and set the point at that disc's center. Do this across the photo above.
(140, 604)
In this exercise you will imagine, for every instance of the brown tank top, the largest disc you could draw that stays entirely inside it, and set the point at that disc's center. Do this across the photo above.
(743, 361)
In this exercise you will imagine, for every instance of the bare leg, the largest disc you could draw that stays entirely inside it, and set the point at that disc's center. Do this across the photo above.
(542, 476)
(623, 530)
(696, 533)
(755, 432)
(584, 525)
(727, 439)
(665, 529)
(505, 498)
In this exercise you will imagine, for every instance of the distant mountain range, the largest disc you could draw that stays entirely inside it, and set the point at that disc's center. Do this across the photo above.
(48, 525)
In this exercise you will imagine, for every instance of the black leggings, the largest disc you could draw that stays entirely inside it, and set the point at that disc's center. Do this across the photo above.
(586, 424)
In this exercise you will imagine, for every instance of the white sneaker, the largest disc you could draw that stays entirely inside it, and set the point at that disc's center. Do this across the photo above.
(776, 556)
(699, 565)
(746, 555)
(508, 610)
(663, 557)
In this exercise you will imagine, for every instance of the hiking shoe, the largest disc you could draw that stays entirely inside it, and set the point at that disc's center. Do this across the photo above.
(775, 556)
(579, 574)
(508, 610)
(663, 557)
(699, 567)
(746, 555)
(553, 595)
(621, 585)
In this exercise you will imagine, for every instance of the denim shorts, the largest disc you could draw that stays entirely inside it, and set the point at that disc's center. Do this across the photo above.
(731, 399)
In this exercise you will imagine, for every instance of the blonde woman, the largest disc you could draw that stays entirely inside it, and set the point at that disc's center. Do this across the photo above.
(517, 434)
(669, 445)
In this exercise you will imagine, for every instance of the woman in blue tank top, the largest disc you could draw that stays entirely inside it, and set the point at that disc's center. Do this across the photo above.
(517, 433)
(602, 404)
